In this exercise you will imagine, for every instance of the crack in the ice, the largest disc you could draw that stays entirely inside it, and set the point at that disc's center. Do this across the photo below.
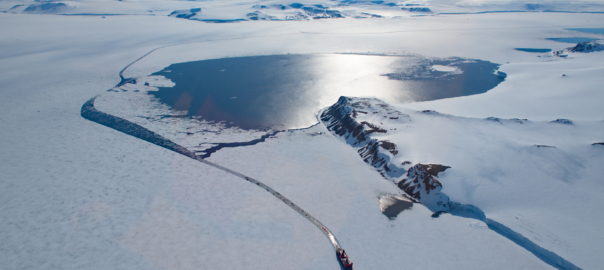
(209, 151)
(88, 111)
(545, 255)
(341, 120)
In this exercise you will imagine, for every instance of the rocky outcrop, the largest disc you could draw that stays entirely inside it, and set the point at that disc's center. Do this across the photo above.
(562, 121)
(586, 47)
(421, 183)
(364, 124)
(360, 121)
(46, 8)
(274, 12)
(417, 9)
(582, 47)
(185, 13)
(342, 119)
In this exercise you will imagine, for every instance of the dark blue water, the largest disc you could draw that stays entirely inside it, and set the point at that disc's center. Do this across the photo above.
(588, 30)
(572, 39)
(286, 91)
(533, 50)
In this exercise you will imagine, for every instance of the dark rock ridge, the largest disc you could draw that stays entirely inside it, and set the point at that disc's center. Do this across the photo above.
(277, 12)
(585, 47)
(321, 12)
(503, 121)
(356, 121)
(422, 178)
(46, 7)
(562, 121)
(582, 47)
(185, 13)
(417, 9)
(543, 146)
(419, 181)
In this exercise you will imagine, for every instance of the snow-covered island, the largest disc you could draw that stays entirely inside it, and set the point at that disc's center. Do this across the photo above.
(321, 134)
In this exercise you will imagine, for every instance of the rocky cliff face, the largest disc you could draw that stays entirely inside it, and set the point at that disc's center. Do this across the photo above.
(362, 122)
(421, 183)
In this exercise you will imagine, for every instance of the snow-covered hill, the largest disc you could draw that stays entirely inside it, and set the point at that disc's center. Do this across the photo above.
(234, 11)
(496, 164)
(527, 154)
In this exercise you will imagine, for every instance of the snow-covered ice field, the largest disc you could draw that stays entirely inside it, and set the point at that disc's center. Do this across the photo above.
(78, 195)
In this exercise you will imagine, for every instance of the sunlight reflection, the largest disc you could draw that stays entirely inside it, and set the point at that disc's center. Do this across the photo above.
(286, 91)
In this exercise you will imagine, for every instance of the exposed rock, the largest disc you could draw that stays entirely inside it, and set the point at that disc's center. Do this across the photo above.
(47, 7)
(373, 154)
(544, 146)
(350, 119)
(185, 13)
(258, 15)
(562, 121)
(435, 169)
(519, 120)
(588, 46)
(493, 119)
(321, 12)
(364, 15)
(582, 47)
(417, 9)
(502, 121)
(421, 179)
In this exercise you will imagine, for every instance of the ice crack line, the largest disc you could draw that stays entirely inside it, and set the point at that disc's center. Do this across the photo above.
(545, 255)
(209, 151)
(88, 111)
(418, 181)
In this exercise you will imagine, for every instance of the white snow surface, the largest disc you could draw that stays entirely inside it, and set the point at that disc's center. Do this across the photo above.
(218, 9)
(538, 178)
(348, 200)
(78, 195)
